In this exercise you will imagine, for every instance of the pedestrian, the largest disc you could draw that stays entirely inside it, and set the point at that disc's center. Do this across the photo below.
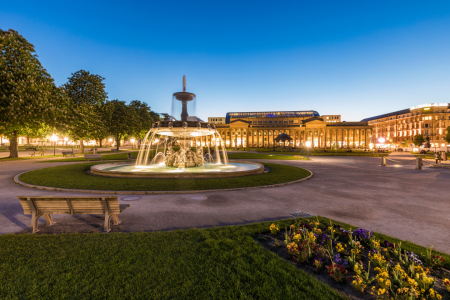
(437, 157)
(440, 157)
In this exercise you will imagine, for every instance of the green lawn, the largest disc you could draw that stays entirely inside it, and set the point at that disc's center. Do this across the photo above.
(116, 156)
(74, 176)
(217, 263)
(263, 156)
(214, 263)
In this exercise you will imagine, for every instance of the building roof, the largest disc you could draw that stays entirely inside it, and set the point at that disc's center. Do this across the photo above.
(395, 113)
(271, 114)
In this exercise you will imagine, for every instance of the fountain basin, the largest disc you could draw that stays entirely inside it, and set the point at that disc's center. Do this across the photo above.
(210, 170)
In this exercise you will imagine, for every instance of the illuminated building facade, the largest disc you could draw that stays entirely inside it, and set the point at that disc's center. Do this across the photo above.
(400, 127)
(259, 129)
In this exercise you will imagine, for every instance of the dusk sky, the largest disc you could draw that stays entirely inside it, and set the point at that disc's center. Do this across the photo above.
(354, 58)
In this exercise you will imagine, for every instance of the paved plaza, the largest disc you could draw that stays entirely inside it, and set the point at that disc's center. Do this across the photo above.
(395, 200)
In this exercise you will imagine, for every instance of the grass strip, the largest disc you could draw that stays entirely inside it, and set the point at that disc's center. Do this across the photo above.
(264, 156)
(75, 177)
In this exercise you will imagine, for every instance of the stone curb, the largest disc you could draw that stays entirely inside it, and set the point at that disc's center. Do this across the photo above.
(16, 180)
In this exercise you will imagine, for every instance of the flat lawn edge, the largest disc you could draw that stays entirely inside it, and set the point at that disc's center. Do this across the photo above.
(73, 177)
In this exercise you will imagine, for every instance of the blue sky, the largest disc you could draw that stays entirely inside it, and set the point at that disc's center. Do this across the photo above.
(354, 58)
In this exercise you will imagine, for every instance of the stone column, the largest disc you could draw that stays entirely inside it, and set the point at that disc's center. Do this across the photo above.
(342, 138)
(242, 137)
(359, 142)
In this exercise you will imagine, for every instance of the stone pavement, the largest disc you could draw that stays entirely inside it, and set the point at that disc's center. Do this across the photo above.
(395, 200)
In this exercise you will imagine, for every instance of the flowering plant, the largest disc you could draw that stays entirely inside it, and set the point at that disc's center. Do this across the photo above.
(337, 272)
(318, 263)
(362, 278)
(274, 229)
(362, 234)
(447, 284)
(378, 260)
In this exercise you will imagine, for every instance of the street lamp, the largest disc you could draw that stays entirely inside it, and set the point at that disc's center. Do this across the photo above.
(65, 140)
(308, 145)
(54, 138)
(132, 144)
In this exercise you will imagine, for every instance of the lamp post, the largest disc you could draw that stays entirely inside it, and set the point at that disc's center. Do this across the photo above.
(54, 138)
(132, 144)
(65, 140)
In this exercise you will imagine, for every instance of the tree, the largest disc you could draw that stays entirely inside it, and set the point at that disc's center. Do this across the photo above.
(28, 95)
(145, 117)
(87, 93)
(123, 120)
(447, 136)
(418, 140)
(404, 142)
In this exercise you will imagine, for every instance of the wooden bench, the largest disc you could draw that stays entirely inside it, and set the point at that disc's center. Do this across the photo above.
(67, 153)
(114, 150)
(31, 149)
(73, 205)
(41, 152)
(93, 156)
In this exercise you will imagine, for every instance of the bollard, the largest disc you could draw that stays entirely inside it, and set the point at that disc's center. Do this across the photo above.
(383, 161)
(419, 163)
(129, 156)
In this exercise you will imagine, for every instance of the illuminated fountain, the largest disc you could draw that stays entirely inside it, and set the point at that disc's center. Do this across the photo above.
(181, 148)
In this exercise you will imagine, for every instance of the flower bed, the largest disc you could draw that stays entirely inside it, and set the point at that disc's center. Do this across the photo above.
(357, 263)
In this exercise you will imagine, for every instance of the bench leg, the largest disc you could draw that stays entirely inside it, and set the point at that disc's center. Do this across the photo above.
(34, 222)
(48, 219)
(107, 223)
(116, 219)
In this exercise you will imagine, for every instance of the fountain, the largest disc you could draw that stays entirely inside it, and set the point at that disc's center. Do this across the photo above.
(181, 149)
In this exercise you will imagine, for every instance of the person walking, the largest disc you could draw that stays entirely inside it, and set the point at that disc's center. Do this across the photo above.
(437, 157)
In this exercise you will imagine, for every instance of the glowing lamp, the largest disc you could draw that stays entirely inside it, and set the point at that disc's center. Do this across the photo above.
(381, 140)
(308, 144)
(54, 138)
(66, 139)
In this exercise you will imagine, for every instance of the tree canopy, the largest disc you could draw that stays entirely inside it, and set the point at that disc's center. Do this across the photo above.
(87, 94)
(447, 136)
(418, 140)
(28, 95)
(122, 120)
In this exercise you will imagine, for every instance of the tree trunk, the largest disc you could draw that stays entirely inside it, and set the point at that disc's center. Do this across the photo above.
(100, 142)
(117, 143)
(28, 140)
(81, 146)
(13, 146)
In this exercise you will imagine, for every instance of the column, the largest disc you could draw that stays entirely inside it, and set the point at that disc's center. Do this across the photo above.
(242, 137)
(359, 142)
(342, 138)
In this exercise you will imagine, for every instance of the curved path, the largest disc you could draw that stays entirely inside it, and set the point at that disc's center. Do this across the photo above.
(395, 200)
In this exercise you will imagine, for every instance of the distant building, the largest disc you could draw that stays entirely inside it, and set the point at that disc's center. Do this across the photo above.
(331, 118)
(216, 120)
(259, 129)
(429, 120)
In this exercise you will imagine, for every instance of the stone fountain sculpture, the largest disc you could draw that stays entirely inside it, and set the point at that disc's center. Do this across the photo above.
(191, 136)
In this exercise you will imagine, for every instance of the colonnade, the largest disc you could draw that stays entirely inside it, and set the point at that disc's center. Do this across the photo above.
(319, 137)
